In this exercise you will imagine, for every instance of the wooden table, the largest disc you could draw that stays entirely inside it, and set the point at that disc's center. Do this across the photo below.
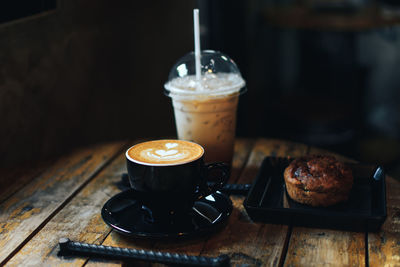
(63, 198)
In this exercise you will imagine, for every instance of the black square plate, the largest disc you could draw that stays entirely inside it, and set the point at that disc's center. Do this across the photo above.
(267, 200)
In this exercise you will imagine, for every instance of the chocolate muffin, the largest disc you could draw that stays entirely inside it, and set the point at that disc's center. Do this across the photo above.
(318, 180)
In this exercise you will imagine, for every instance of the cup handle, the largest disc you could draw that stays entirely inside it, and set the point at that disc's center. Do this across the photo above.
(207, 189)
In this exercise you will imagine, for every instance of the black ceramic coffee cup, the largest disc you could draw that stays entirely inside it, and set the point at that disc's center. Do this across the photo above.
(170, 190)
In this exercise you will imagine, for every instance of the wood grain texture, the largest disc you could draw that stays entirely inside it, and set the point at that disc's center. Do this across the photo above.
(317, 247)
(192, 246)
(12, 180)
(66, 199)
(323, 247)
(248, 243)
(243, 148)
(320, 151)
(384, 246)
(79, 220)
(23, 214)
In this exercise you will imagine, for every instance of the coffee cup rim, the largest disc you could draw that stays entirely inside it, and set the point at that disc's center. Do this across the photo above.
(163, 164)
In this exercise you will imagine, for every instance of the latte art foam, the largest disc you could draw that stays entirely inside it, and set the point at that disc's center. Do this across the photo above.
(161, 154)
(165, 152)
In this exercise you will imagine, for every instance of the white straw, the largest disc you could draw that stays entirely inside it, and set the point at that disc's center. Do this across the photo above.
(197, 43)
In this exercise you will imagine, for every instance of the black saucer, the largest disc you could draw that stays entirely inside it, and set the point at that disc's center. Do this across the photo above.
(126, 215)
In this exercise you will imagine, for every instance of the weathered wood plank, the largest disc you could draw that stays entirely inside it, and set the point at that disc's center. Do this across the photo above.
(321, 151)
(30, 208)
(79, 220)
(243, 149)
(11, 180)
(192, 247)
(384, 246)
(317, 247)
(323, 247)
(246, 242)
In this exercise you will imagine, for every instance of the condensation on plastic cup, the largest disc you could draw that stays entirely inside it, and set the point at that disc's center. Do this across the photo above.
(205, 109)
(220, 76)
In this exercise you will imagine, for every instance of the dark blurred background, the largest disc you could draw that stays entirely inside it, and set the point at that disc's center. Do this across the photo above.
(321, 72)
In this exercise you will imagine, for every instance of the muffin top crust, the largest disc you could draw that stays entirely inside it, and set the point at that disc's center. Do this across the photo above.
(319, 173)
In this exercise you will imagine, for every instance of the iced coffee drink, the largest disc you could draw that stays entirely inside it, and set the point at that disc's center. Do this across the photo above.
(205, 108)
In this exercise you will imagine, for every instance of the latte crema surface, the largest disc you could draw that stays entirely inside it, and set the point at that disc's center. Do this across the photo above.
(165, 152)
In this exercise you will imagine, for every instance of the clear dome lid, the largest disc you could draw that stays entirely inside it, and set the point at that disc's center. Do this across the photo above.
(219, 76)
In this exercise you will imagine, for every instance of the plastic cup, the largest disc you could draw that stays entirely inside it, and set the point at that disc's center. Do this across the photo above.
(205, 110)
